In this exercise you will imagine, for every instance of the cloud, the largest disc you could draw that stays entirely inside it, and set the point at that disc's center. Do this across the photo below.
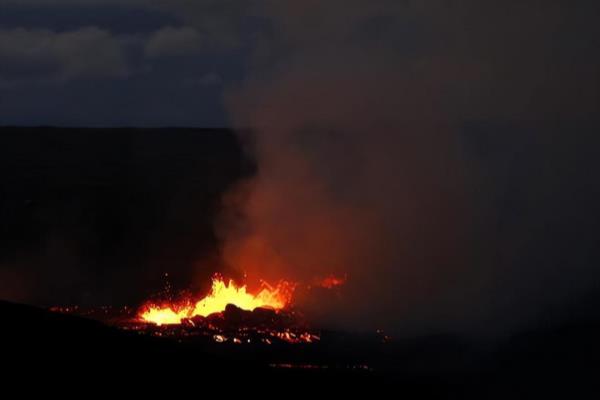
(220, 21)
(43, 55)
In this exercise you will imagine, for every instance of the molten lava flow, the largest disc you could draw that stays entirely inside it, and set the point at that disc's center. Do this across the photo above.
(220, 296)
(164, 315)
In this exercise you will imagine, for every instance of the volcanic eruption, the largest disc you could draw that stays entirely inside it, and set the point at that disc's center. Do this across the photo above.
(222, 293)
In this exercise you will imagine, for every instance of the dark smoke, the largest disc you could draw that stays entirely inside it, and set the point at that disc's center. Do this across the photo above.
(436, 152)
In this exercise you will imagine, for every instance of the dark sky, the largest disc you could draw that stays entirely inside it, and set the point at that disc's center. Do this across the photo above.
(448, 146)
(91, 63)
(157, 63)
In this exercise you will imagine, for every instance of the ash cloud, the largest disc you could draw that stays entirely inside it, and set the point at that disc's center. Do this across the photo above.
(434, 151)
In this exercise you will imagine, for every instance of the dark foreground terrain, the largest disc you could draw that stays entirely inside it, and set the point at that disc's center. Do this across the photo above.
(560, 362)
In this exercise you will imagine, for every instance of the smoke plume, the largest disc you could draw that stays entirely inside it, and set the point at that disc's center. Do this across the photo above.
(374, 127)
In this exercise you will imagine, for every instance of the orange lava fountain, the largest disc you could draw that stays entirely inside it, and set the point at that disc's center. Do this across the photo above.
(221, 294)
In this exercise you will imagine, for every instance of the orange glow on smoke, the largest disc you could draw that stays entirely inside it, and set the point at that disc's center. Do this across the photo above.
(221, 294)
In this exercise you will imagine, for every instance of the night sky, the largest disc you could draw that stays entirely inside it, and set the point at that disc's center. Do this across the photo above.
(171, 63)
(449, 146)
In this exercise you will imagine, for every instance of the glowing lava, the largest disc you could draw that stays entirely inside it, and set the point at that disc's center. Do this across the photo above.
(221, 294)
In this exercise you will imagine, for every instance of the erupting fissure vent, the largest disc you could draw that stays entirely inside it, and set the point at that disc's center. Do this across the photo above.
(221, 294)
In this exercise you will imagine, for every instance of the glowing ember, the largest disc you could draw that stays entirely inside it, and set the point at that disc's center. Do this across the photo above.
(332, 281)
(220, 296)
